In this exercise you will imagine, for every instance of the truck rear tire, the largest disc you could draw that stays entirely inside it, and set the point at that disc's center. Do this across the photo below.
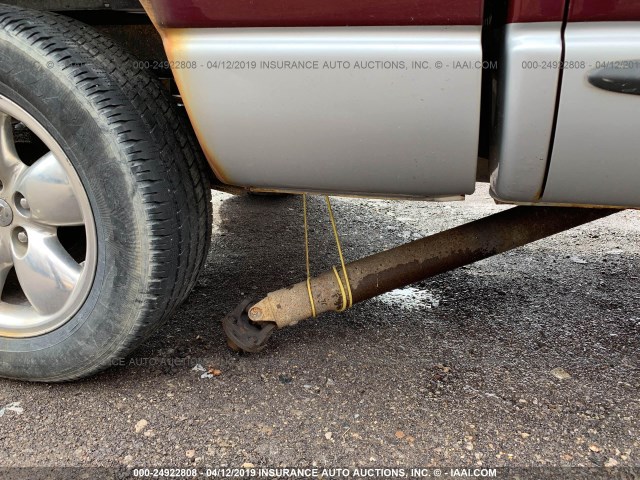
(105, 205)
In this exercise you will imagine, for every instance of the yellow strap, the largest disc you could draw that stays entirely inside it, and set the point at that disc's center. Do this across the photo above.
(345, 303)
(342, 294)
(306, 251)
(347, 297)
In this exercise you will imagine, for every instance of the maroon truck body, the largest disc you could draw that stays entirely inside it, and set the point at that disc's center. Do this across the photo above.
(311, 13)
(307, 13)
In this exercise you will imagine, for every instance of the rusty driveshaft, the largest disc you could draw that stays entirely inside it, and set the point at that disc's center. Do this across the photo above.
(407, 264)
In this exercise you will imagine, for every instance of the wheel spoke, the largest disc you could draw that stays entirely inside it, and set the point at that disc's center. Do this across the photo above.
(4, 271)
(47, 273)
(49, 193)
(5, 248)
(10, 163)
(6, 261)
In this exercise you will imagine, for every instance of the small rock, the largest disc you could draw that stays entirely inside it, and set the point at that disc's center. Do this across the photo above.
(12, 407)
(266, 429)
(468, 446)
(525, 434)
(400, 434)
(615, 251)
(149, 433)
(328, 435)
(575, 259)
(594, 448)
(444, 368)
(199, 368)
(248, 465)
(141, 425)
(612, 462)
(560, 373)
(190, 453)
(330, 383)
(128, 459)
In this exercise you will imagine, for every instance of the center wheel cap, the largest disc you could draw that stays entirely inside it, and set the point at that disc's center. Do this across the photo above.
(6, 214)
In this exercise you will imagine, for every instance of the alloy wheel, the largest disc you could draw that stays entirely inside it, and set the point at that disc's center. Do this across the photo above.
(48, 246)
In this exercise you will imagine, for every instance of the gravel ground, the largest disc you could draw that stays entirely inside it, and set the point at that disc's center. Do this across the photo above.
(526, 359)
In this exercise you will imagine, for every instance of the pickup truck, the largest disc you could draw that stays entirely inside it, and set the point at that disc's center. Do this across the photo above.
(118, 117)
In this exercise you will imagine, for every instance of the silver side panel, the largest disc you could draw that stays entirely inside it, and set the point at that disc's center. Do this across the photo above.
(596, 153)
(526, 106)
(387, 129)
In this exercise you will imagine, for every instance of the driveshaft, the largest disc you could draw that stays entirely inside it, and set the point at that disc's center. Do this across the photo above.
(420, 259)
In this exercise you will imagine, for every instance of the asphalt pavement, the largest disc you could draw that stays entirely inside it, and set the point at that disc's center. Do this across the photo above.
(530, 358)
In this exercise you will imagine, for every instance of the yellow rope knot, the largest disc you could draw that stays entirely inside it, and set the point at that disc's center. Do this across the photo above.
(345, 287)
